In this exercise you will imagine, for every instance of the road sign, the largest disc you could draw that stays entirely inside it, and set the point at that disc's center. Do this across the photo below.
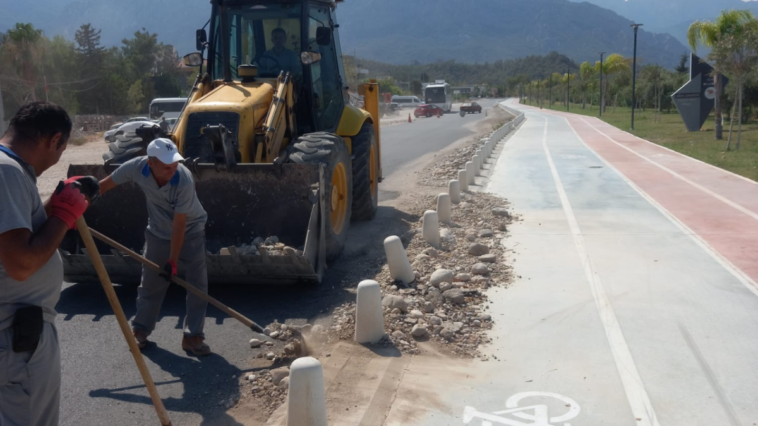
(695, 100)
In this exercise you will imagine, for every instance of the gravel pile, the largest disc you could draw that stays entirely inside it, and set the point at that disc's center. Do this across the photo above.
(446, 168)
(446, 303)
(270, 245)
(269, 386)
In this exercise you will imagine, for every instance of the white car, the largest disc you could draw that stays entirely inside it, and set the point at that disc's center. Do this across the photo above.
(126, 132)
(110, 135)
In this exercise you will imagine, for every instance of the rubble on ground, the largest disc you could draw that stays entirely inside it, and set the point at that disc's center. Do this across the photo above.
(271, 246)
(446, 304)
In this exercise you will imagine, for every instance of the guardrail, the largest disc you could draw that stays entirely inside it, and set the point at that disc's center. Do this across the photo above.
(502, 132)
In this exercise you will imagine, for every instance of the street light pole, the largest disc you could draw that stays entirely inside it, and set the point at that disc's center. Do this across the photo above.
(601, 83)
(634, 69)
(568, 88)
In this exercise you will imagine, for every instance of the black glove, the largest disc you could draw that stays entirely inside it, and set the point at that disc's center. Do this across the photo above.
(169, 270)
(87, 185)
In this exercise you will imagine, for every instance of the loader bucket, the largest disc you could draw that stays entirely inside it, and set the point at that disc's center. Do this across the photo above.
(252, 200)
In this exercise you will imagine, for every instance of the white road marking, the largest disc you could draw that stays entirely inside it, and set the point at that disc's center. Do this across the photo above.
(678, 176)
(539, 413)
(636, 394)
(724, 262)
(679, 154)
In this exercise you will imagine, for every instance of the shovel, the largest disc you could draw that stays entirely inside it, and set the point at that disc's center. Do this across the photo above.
(84, 231)
(194, 290)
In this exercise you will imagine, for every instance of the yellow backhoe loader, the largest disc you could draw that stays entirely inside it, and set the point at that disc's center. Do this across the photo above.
(274, 144)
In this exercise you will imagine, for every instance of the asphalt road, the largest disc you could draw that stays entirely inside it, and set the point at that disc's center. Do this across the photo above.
(627, 309)
(407, 141)
(101, 384)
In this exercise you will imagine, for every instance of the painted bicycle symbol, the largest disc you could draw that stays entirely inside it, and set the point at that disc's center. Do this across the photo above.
(532, 415)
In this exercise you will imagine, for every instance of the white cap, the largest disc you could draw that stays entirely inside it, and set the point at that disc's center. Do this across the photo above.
(164, 150)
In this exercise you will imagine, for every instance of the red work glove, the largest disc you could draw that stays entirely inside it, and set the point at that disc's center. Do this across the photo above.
(67, 203)
(88, 185)
(169, 270)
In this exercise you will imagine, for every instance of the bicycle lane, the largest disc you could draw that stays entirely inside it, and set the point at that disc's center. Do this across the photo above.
(550, 352)
(687, 315)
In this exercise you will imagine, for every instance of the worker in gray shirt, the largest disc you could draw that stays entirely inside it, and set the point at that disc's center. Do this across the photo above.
(175, 236)
(31, 270)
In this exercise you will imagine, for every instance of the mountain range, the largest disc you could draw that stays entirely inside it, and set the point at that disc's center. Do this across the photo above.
(672, 16)
(404, 31)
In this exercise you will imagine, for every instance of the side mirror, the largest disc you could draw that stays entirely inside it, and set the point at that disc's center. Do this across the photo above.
(310, 58)
(201, 37)
(324, 36)
(194, 59)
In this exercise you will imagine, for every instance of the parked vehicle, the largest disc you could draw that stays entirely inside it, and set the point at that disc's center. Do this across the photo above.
(471, 108)
(166, 107)
(407, 101)
(428, 111)
(110, 135)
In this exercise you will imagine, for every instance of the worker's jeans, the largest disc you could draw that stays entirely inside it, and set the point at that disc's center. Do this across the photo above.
(151, 292)
(30, 383)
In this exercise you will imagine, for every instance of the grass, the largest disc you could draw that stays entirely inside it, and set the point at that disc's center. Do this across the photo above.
(671, 133)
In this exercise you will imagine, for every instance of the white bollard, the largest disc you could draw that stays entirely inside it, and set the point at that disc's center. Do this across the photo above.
(306, 399)
(369, 316)
(470, 173)
(432, 228)
(454, 189)
(462, 180)
(477, 160)
(397, 259)
(444, 208)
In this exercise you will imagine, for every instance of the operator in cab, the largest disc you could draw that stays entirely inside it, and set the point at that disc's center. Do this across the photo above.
(280, 58)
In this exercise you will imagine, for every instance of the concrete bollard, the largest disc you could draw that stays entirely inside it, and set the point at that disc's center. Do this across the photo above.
(432, 228)
(369, 317)
(454, 189)
(444, 208)
(477, 160)
(397, 259)
(462, 180)
(470, 173)
(306, 399)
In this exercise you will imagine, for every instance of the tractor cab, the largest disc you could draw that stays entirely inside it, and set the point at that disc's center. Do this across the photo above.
(259, 39)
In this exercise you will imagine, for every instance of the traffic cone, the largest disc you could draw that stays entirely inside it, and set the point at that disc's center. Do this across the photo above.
(409, 119)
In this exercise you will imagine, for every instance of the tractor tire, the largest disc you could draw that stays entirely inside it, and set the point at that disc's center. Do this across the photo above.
(330, 150)
(365, 174)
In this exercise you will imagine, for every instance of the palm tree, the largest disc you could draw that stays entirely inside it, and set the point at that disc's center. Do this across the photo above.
(709, 34)
(22, 43)
(737, 55)
(614, 64)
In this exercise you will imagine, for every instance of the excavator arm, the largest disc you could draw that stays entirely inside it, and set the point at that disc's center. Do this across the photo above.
(280, 121)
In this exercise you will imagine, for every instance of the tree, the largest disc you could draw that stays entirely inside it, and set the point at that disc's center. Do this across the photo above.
(22, 47)
(654, 75)
(708, 34)
(612, 65)
(736, 54)
(587, 76)
(90, 55)
(682, 67)
(135, 98)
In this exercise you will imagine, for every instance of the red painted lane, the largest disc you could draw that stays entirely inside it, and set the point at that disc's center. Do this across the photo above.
(729, 231)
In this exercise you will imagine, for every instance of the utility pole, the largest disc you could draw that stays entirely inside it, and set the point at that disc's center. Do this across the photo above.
(634, 69)
(568, 89)
(550, 88)
(601, 83)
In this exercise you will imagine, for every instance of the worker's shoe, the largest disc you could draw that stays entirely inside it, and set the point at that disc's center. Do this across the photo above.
(141, 338)
(195, 345)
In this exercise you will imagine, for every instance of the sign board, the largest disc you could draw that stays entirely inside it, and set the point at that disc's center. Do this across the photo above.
(696, 99)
